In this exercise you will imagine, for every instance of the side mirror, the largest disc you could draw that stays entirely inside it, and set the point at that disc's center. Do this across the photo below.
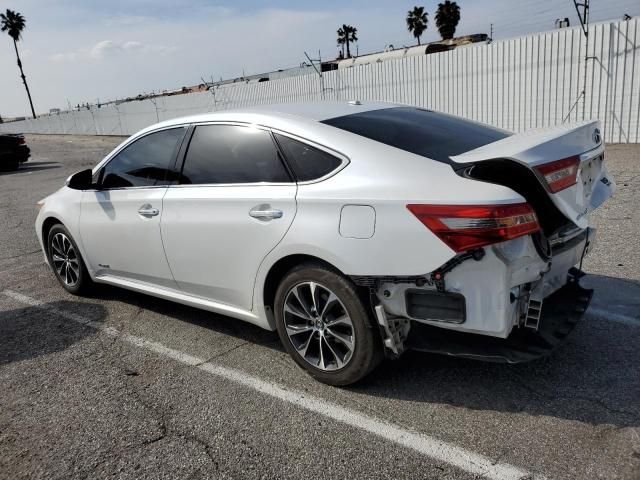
(81, 181)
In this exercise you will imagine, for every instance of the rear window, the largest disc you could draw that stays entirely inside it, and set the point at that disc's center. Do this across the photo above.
(424, 132)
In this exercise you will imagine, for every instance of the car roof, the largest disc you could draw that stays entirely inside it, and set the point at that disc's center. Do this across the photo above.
(314, 111)
(322, 110)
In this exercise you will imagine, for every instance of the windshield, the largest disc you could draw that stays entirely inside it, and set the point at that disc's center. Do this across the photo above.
(424, 132)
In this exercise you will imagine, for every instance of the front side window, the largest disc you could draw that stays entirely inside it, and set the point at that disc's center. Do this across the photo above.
(307, 162)
(220, 154)
(144, 163)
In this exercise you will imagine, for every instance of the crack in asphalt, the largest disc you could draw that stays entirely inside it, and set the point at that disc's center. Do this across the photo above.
(162, 417)
(163, 420)
(21, 255)
(163, 434)
(205, 445)
(220, 355)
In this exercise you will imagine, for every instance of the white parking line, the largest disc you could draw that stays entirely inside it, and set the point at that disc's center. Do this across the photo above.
(423, 444)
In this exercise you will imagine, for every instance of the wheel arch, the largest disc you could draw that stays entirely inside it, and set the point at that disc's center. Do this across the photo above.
(47, 224)
(280, 268)
(44, 226)
(276, 273)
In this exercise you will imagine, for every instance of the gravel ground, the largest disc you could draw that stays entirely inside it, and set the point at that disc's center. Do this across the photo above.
(76, 402)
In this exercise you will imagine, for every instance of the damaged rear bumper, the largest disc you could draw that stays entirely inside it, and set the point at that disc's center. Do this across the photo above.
(560, 313)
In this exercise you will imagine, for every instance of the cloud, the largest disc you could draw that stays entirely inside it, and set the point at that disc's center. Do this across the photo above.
(109, 49)
(104, 48)
(131, 45)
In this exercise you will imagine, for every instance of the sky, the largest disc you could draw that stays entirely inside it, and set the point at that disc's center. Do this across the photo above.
(77, 51)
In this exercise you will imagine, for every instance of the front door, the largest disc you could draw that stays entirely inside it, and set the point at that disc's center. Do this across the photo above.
(234, 204)
(120, 220)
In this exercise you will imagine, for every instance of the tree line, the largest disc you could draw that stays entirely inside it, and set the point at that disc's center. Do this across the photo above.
(447, 19)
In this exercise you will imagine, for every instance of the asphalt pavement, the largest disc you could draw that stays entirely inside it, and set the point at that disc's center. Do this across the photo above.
(124, 385)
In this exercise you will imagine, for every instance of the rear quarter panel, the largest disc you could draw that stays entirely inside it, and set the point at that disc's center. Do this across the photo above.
(387, 179)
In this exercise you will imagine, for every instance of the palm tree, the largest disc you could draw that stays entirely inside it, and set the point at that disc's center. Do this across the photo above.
(346, 35)
(341, 41)
(447, 18)
(13, 23)
(417, 22)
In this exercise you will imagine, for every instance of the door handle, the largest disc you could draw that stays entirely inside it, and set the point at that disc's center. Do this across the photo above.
(265, 212)
(148, 211)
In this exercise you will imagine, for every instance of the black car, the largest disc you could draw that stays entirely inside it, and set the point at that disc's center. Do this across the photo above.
(13, 151)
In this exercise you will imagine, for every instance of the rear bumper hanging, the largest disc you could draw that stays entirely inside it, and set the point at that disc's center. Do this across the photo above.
(560, 313)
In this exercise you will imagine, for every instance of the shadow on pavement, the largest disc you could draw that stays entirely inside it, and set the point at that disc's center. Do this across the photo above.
(202, 318)
(614, 295)
(29, 332)
(592, 378)
(31, 167)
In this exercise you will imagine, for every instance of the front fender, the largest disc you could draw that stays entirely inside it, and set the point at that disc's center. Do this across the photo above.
(64, 206)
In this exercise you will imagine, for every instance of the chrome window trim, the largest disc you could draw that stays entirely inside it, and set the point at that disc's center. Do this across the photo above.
(141, 187)
(255, 184)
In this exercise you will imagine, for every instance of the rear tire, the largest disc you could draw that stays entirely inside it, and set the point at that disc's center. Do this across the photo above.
(325, 326)
(66, 261)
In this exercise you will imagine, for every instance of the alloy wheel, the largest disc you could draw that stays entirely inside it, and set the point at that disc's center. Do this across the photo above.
(319, 326)
(65, 259)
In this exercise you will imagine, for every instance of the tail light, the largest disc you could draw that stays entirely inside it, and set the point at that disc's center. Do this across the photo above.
(560, 174)
(20, 140)
(464, 227)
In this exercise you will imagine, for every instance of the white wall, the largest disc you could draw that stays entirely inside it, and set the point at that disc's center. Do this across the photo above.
(517, 84)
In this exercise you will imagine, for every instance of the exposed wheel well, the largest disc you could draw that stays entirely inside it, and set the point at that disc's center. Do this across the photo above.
(46, 227)
(280, 269)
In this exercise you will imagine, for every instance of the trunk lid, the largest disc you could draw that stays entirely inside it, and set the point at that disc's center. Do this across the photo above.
(539, 147)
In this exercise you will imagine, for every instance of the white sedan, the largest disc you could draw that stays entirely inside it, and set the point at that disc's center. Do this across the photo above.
(356, 230)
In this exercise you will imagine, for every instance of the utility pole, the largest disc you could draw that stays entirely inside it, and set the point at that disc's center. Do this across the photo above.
(584, 23)
(319, 72)
(491, 34)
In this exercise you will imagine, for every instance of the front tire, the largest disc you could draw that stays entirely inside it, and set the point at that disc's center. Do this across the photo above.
(9, 165)
(325, 326)
(66, 262)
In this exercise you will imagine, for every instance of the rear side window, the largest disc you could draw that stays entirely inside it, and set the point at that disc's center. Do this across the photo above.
(232, 154)
(424, 132)
(145, 162)
(307, 162)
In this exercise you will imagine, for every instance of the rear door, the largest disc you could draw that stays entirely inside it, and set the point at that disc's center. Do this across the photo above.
(567, 160)
(234, 203)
